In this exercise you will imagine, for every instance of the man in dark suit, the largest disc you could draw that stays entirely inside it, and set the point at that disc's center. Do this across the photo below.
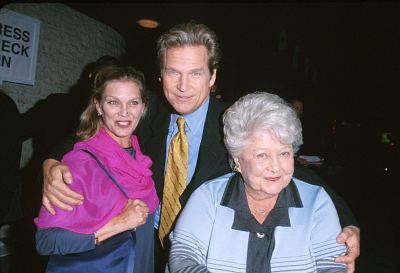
(189, 57)
(212, 157)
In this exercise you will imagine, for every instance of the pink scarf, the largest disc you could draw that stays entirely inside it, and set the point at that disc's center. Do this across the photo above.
(103, 200)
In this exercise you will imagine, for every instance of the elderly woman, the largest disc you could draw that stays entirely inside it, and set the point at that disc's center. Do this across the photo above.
(259, 219)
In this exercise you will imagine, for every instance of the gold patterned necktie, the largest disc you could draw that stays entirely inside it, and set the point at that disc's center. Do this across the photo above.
(174, 181)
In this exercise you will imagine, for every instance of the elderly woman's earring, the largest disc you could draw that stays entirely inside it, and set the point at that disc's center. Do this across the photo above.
(236, 169)
(99, 114)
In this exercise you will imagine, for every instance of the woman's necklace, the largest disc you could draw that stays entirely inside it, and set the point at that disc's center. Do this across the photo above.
(260, 215)
(259, 208)
(262, 212)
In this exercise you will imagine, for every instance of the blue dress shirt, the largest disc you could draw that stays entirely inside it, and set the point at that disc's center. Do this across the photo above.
(194, 125)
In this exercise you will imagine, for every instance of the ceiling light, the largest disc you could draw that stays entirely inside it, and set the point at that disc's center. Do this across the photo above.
(148, 23)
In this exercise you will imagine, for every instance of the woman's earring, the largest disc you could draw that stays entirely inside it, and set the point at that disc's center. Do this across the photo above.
(236, 169)
(99, 114)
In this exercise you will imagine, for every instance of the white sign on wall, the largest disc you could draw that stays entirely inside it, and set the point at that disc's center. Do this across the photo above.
(19, 41)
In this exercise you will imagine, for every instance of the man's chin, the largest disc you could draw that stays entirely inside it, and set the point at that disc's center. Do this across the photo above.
(182, 108)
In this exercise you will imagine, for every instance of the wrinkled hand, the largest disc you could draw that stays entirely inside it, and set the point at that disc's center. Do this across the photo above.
(56, 192)
(350, 236)
(134, 214)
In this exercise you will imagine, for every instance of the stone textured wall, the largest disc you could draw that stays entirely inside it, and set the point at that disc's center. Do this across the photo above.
(69, 40)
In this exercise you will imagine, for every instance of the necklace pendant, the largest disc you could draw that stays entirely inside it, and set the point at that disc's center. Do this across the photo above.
(260, 235)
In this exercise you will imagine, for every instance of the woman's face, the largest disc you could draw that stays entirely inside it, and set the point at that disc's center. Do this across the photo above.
(121, 109)
(266, 165)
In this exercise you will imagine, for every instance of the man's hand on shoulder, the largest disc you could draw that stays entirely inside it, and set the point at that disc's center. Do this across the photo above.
(56, 192)
(350, 236)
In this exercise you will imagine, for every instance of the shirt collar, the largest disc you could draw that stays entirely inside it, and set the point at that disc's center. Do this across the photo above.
(235, 198)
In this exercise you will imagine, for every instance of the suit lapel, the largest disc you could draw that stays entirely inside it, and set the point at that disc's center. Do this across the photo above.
(156, 147)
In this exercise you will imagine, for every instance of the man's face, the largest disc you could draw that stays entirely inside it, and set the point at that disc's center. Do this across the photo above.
(186, 78)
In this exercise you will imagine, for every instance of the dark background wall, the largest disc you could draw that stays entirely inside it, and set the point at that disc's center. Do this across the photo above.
(342, 58)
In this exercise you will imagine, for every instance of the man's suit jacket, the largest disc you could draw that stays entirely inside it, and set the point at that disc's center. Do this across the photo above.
(213, 157)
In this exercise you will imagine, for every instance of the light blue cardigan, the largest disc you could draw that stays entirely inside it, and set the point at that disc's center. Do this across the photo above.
(203, 240)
